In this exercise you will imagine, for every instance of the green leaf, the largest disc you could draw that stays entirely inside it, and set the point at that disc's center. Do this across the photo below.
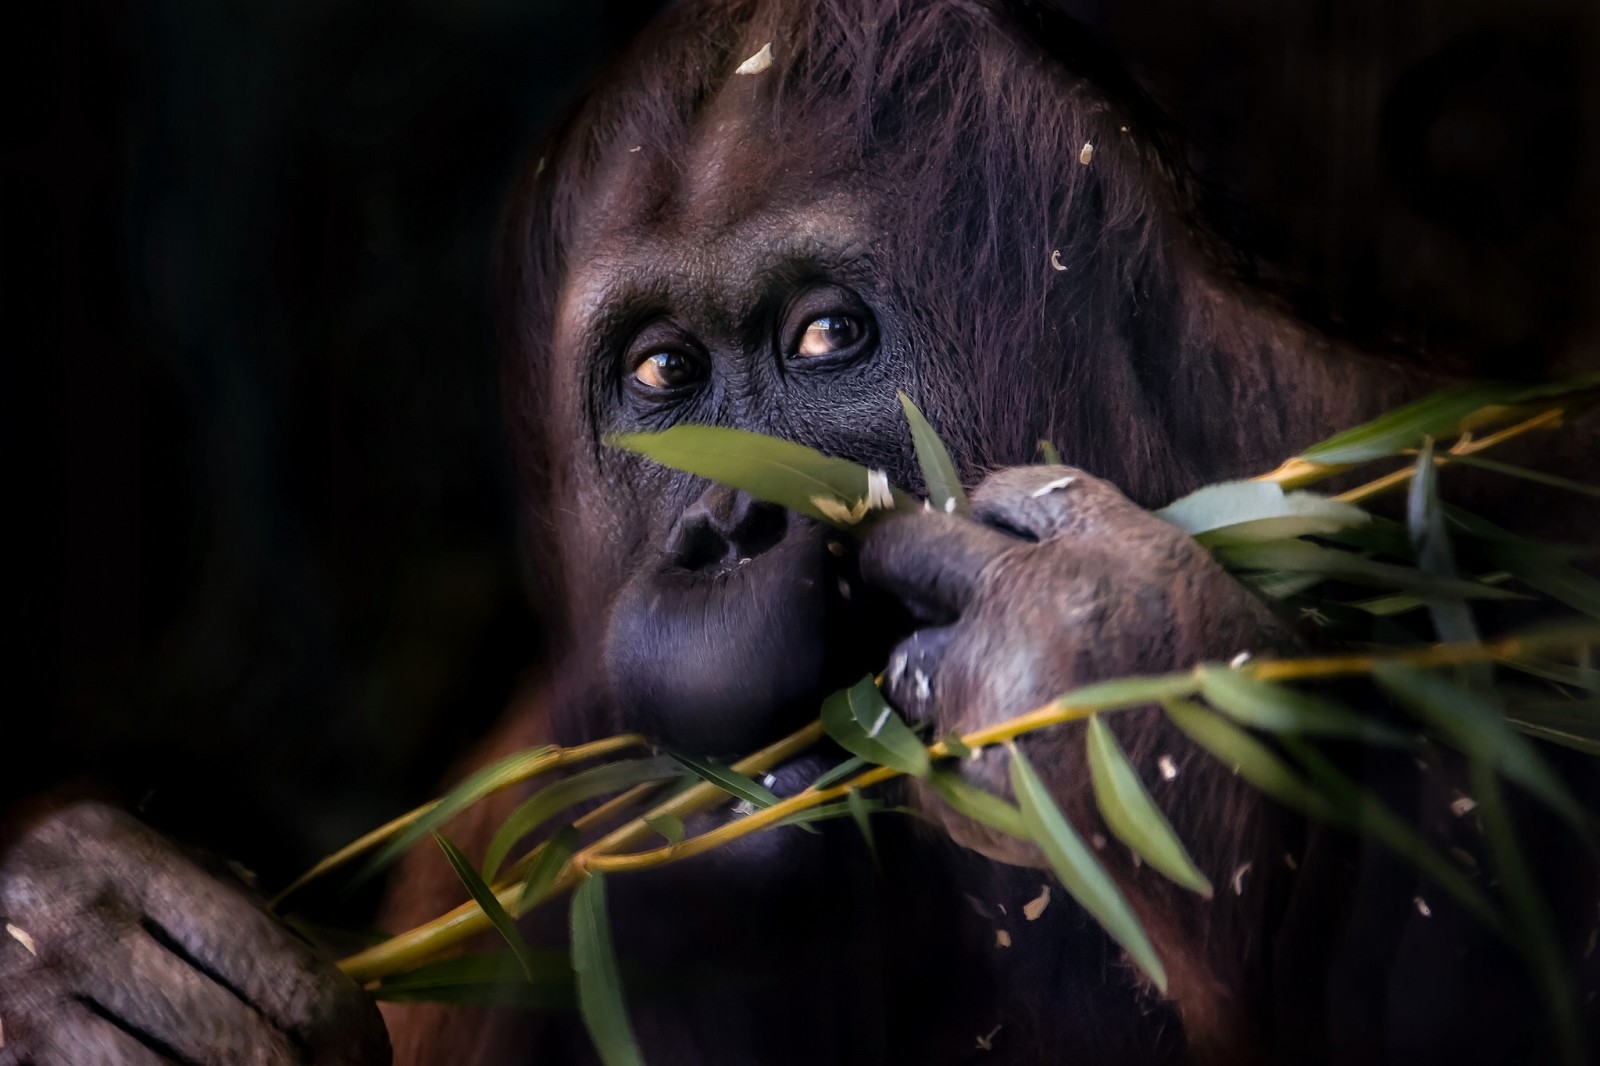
(491, 778)
(1542, 570)
(1236, 511)
(1452, 618)
(1349, 805)
(494, 978)
(1132, 815)
(938, 471)
(1536, 935)
(1550, 670)
(669, 826)
(729, 780)
(1525, 474)
(1129, 692)
(1476, 726)
(600, 999)
(857, 806)
(1280, 584)
(547, 866)
(1051, 456)
(1439, 415)
(1280, 709)
(768, 468)
(862, 723)
(966, 798)
(490, 903)
(1084, 878)
(553, 799)
(1246, 756)
(1571, 723)
(823, 812)
(851, 766)
(956, 746)
(1347, 566)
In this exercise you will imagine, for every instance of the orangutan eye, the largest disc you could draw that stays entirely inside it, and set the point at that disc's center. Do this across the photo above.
(828, 335)
(667, 370)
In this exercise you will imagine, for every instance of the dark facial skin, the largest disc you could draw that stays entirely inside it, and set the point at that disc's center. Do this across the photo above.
(727, 305)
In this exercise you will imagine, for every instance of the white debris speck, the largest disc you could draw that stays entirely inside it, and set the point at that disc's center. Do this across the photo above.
(1002, 907)
(879, 498)
(768, 781)
(1138, 861)
(1422, 906)
(986, 1042)
(1099, 841)
(1463, 856)
(1086, 153)
(1123, 129)
(924, 687)
(22, 938)
(836, 510)
(1168, 766)
(978, 906)
(1002, 939)
(636, 148)
(762, 60)
(949, 505)
(1052, 486)
(1055, 260)
(835, 548)
(877, 727)
(744, 807)
(1289, 861)
(1238, 878)
(844, 590)
(539, 167)
(1035, 906)
(1239, 660)
(897, 669)
(1463, 805)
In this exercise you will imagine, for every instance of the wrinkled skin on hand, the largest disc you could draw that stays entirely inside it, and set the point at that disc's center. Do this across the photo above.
(119, 949)
(1056, 581)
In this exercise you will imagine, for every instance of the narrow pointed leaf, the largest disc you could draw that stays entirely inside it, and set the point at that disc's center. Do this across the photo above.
(1430, 540)
(729, 780)
(553, 799)
(1280, 709)
(849, 768)
(1082, 875)
(862, 723)
(1536, 935)
(547, 866)
(1538, 476)
(1131, 813)
(938, 471)
(1571, 723)
(1280, 584)
(768, 468)
(824, 812)
(956, 746)
(600, 999)
(1049, 453)
(857, 805)
(1129, 692)
(491, 906)
(981, 806)
(497, 775)
(1476, 726)
(1246, 756)
(1257, 510)
(1348, 566)
(488, 978)
(1439, 415)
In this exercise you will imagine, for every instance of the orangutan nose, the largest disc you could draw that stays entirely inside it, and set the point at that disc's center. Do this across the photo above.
(725, 528)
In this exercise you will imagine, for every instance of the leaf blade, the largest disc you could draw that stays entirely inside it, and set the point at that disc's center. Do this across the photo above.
(1131, 813)
(861, 721)
(939, 474)
(491, 906)
(600, 998)
(1082, 875)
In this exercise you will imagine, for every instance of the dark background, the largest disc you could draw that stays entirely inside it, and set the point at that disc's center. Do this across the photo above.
(264, 577)
(255, 445)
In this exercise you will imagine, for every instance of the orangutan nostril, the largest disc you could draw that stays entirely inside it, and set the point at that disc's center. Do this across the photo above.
(723, 529)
